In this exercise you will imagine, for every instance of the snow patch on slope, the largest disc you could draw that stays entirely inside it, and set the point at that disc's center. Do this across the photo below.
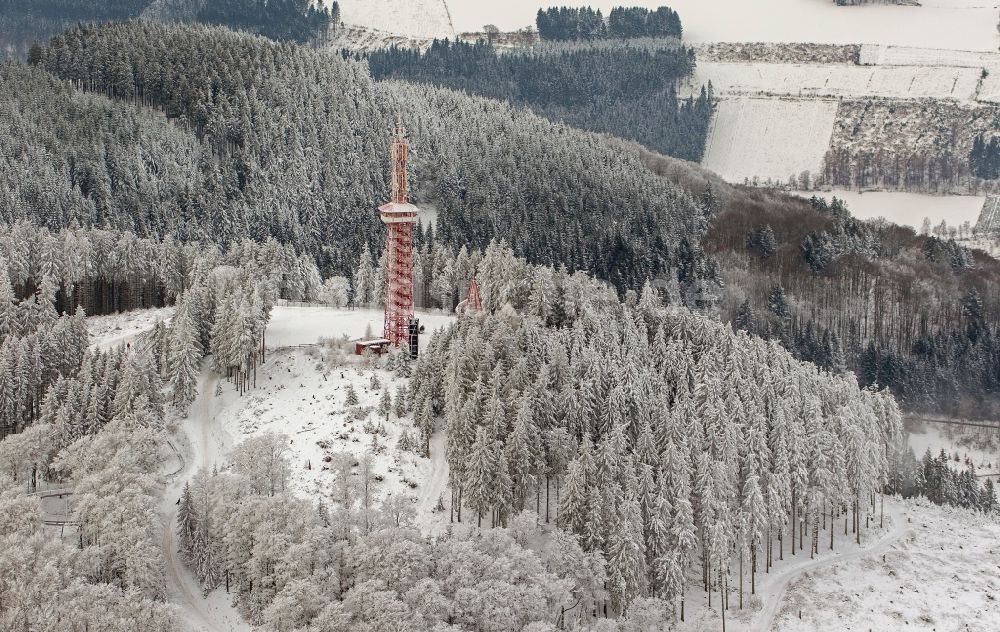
(418, 19)
(113, 330)
(908, 209)
(768, 138)
(943, 575)
(839, 80)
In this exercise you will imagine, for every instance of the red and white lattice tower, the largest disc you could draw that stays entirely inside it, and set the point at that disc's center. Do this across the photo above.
(472, 301)
(399, 216)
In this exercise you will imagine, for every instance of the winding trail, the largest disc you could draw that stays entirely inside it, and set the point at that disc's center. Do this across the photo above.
(775, 591)
(434, 487)
(206, 443)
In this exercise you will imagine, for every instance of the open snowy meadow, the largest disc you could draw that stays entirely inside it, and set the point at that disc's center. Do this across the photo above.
(304, 390)
(768, 138)
(941, 572)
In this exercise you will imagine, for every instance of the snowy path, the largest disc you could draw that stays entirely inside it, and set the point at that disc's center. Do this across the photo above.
(779, 582)
(434, 487)
(206, 444)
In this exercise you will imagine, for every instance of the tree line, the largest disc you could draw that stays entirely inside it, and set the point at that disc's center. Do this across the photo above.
(627, 91)
(935, 478)
(584, 23)
(106, 271)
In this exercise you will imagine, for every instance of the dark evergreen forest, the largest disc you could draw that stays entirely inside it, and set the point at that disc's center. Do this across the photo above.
(27, 22)
(984, 159)
(584, 23)
(626, 91)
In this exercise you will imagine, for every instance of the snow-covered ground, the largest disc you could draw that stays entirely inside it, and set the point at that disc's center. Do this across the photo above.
(116, 329)
(296, 326)
(944, 574)
(301, 392)
(953, 24)
(966, 442)
(419, 19)
(295, 395)
(772, 588)
(882, 55)
(768, 138)
(838, 80)
(908, 209)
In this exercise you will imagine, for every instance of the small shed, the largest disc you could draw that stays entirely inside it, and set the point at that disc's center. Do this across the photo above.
(376, 346)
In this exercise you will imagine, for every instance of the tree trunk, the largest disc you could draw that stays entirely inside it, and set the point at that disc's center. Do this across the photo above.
(741, 579)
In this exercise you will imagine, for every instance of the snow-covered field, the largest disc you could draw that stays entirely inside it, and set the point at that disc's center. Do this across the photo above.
(116, 329)
(302, 394)
(959, 441)
(953, 24)
(908, 209)
(881, 55)
(944, 574)
(302, 390)
(839, 80)
(418, 19)
(768, 137)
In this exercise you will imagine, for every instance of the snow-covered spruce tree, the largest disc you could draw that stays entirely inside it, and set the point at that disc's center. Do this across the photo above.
(184, 357)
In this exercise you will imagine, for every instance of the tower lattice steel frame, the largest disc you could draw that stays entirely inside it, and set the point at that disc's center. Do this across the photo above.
(399, 216)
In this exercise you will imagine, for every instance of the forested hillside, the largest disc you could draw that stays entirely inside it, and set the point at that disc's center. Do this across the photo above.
(916, 313)
(559, 196)
(26, 22)
(625, 90)
(674, 456)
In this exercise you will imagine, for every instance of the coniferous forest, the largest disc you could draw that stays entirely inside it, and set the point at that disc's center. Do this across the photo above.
(626, 91)
(27, 22)
(984, 159)
(543, 186)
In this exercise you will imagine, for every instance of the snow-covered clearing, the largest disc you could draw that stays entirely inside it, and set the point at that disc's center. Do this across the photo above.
(117, 329)
(908, 209)
(419, 19)
(772, 588)
(838, 80)
(978, 445)
(300, 393)
(296, 326)
(944, 574)
(768, 138)
(954, 24)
